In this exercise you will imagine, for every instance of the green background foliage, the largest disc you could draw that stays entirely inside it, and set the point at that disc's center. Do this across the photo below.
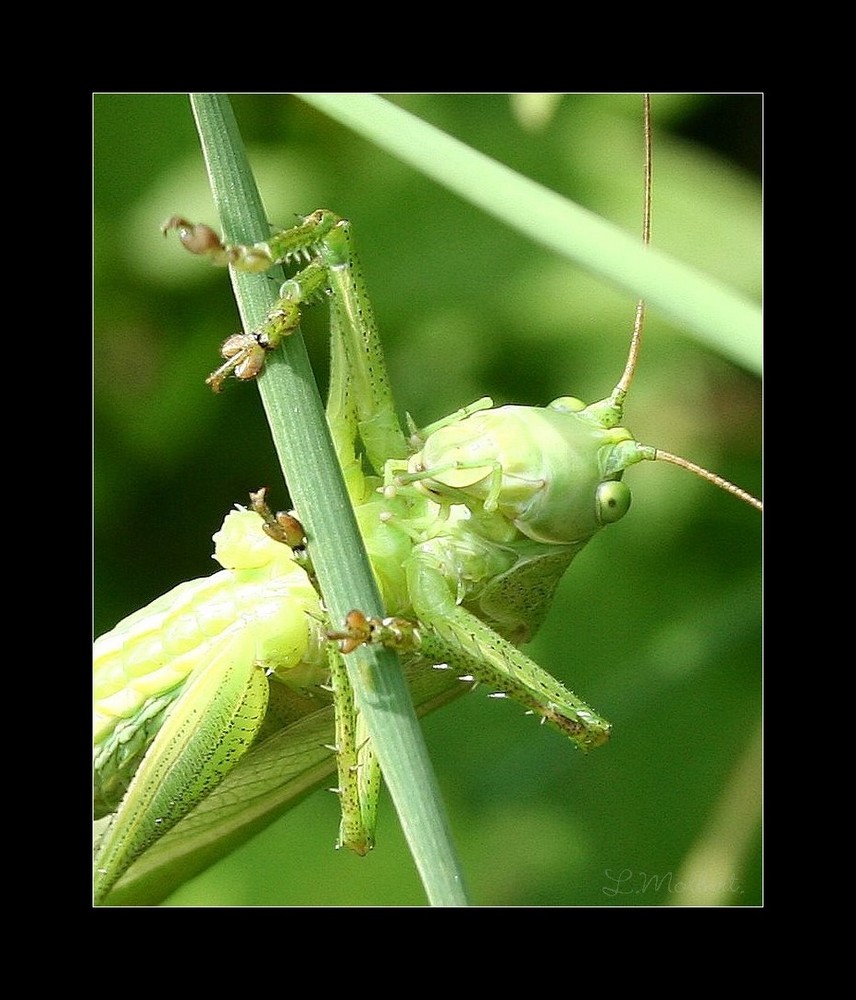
(657, 623)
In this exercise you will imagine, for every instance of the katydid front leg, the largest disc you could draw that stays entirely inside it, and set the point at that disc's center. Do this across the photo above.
(449, 636)
(357, 766)
(360, 398)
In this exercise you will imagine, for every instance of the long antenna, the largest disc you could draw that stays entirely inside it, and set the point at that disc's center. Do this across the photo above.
(620, 391)
(711, 477)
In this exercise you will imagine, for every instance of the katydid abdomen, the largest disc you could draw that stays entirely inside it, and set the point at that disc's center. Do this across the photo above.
(181, 686)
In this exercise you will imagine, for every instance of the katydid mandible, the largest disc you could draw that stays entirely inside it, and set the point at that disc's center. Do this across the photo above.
(470, 524)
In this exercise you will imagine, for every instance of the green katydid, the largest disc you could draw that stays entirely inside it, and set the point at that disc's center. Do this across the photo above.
(480, 539)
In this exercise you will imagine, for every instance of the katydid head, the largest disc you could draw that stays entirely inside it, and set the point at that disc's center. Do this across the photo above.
(552, 471)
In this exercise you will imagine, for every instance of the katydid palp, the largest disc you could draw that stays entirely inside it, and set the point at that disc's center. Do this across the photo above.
(484, 523)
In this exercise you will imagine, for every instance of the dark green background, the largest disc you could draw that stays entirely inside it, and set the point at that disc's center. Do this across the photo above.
(657, 624)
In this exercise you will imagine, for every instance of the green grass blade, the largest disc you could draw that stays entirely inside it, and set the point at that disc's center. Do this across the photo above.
(720, 317)
(302, 440)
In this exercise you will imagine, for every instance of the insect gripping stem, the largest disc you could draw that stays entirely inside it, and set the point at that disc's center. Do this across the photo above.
(469, 523)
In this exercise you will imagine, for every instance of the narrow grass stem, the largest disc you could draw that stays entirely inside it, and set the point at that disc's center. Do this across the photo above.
(296, 416)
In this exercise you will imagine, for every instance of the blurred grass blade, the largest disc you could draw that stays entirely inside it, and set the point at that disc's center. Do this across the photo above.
(724, 319)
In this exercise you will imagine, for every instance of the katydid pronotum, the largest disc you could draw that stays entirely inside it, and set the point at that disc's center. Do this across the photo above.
(406, 489)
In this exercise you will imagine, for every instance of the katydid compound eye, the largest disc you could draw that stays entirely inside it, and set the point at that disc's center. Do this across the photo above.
(612, 501)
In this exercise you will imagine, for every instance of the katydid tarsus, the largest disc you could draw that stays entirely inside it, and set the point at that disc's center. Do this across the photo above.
(470, 522)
